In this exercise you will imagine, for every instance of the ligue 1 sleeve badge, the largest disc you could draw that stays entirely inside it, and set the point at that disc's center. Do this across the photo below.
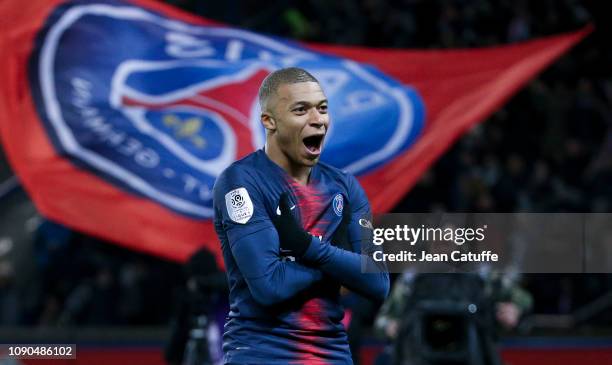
(239, 205)
(163, 107)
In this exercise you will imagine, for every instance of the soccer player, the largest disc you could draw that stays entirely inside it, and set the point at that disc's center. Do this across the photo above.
(292, 230)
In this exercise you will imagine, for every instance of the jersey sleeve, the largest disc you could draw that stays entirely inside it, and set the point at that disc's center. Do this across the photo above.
(356, 270)
(254, 242)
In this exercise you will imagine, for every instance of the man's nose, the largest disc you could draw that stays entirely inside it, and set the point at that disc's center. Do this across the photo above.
(317, 119)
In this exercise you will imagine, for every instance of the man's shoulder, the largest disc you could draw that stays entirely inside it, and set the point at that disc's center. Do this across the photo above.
(246, 165)
(240, 172)
(343, 177)
(334, 172)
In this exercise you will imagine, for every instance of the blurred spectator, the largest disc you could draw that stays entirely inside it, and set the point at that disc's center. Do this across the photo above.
(9, 301)
(196, 335)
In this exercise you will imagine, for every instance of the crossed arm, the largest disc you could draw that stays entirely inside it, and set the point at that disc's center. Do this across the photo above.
(272, 280)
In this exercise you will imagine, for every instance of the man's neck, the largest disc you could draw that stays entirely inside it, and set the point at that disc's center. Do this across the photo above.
(297, 172)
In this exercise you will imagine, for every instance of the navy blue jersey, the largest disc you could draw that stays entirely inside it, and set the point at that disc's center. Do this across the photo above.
(281, 310)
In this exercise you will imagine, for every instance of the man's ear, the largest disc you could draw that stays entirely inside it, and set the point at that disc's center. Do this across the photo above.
(268, 121)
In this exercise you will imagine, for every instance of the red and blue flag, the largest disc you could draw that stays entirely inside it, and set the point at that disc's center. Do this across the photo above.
(118, 116)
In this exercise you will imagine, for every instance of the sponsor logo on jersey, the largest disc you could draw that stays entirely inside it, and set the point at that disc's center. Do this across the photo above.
(365, 223)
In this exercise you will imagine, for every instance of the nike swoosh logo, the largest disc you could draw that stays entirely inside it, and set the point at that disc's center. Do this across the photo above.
(278, 212)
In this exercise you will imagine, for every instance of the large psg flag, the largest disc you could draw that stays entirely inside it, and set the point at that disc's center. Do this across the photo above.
(118, 116)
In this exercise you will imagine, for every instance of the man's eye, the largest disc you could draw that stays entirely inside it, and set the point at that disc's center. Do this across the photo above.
(300, 109)
(323, 108)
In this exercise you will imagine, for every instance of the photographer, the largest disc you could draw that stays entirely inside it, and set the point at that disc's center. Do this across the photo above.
(195, 338)
(449, 318)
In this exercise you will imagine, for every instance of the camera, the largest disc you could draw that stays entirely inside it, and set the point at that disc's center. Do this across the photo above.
(448, 320)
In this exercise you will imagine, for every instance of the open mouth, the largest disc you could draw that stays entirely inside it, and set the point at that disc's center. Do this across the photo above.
(313, 143)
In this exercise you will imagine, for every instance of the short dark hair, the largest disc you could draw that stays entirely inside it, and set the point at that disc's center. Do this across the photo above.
(289, 75)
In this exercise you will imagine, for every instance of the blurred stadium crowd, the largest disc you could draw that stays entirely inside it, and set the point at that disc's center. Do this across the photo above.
(74, 279)
(549, 149)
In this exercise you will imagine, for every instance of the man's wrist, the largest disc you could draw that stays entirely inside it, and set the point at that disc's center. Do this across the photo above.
(312, 253)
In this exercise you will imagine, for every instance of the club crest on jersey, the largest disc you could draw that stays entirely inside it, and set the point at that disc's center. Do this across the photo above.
(338, 204)
(159, 107)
